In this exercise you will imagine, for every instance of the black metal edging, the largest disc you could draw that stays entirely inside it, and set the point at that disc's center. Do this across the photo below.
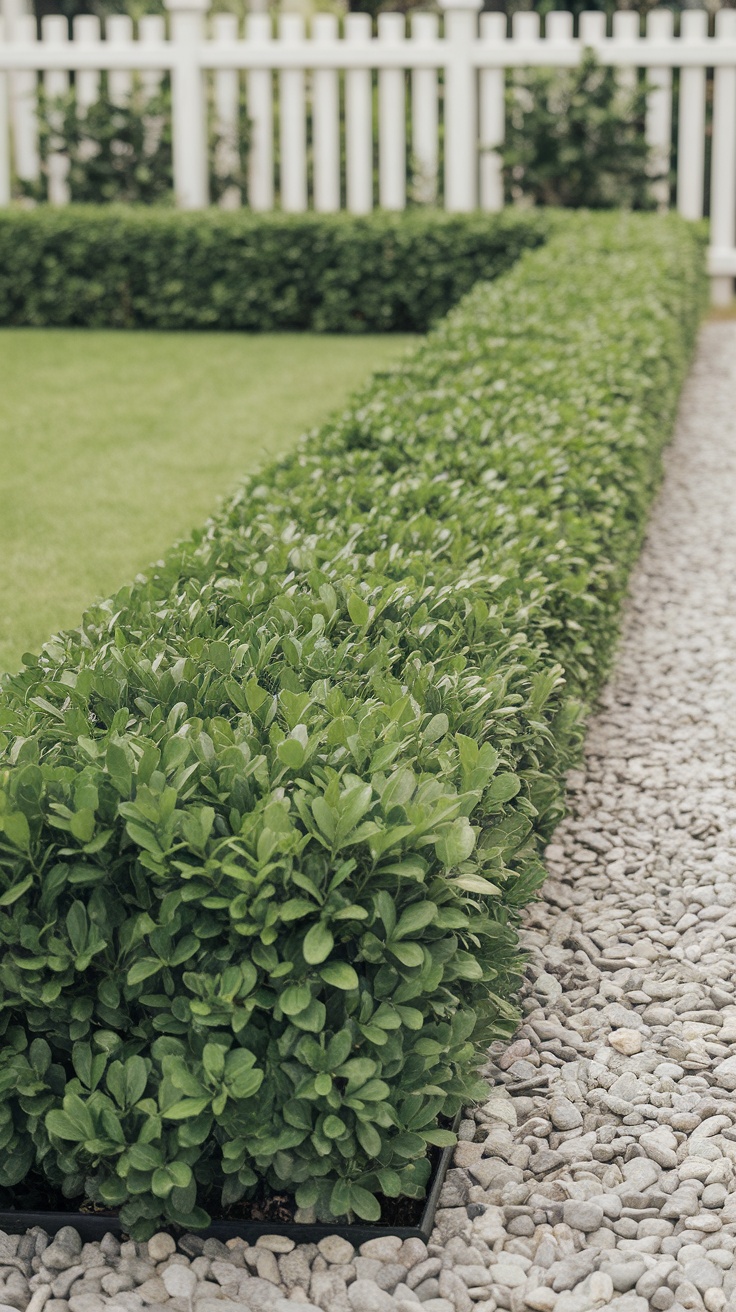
(93, 1228)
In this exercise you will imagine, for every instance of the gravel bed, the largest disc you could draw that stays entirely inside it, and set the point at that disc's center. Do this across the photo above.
(600, 1173)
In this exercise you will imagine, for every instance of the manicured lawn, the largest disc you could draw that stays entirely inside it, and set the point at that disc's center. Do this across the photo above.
(113, 444)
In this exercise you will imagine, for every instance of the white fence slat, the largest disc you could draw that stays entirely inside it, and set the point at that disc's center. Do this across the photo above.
(24, 106)
(461, 108)
(119, 32)
(626, 27)
(492, 88)
(391, 119)
(326, 122)
(525, 25)
(658, 127)
(691, 123)
(189, 105)
(359, 119)
(723, 162)
(293, 122)
(151, 32)
(260, 116)
(55, 31)
(226, 91)
(525, 28)
(86, 29)
(558, 25)
(592, 27)
(4, 132)
(424, 115)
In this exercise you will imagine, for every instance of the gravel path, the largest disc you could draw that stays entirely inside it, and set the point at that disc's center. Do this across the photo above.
(600, 1174)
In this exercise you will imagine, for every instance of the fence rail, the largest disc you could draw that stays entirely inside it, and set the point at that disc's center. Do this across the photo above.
(451, 77)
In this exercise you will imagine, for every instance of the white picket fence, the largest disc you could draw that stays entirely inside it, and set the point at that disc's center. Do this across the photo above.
(294, 71)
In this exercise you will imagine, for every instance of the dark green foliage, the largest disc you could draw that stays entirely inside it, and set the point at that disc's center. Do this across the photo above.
(120, 153)
(575, 138)
(268, 816)
(138, 268)
(114, 152)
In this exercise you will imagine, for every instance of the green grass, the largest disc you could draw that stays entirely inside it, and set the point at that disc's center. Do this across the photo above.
(112, 444)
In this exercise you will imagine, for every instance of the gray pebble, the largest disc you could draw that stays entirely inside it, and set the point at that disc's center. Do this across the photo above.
(365, 1296)
(585, 1216)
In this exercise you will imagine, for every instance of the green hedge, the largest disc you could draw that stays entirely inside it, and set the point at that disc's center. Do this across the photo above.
(269, 815)
(137, 268)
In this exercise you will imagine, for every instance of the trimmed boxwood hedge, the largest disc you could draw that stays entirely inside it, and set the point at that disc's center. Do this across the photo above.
(115, 267)
(269, 815)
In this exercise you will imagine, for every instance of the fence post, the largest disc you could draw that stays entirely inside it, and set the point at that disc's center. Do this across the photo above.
(461, 105)
(188, 104)
(4, 132)
(723, 162)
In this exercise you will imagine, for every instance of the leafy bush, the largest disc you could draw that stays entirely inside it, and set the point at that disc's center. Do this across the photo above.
(116, 152)
(120, 152)
(575, 137)
(128, 268)
(268, 816)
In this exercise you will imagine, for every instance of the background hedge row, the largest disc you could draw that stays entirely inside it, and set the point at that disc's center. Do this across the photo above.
(268, 816)
(113, 267)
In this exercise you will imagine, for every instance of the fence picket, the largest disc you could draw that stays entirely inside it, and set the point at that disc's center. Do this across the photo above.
(293, 122)
(492, 90)
(86, 31)
(723, 164)
(691, 123)
(226, 91)
(525, 25)
(626, 27)
(260, 114)
(326, 122)
(658, 125)
(359, 119)
(4, 132)
(592, 27)
(524, 29)
(119, 32)
(151, 32)
(558, 25)
(424, 116)
(391, 120)
(23, 89)
(55, 31)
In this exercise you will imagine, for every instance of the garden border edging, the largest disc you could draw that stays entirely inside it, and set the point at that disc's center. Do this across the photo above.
(92, 1228)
